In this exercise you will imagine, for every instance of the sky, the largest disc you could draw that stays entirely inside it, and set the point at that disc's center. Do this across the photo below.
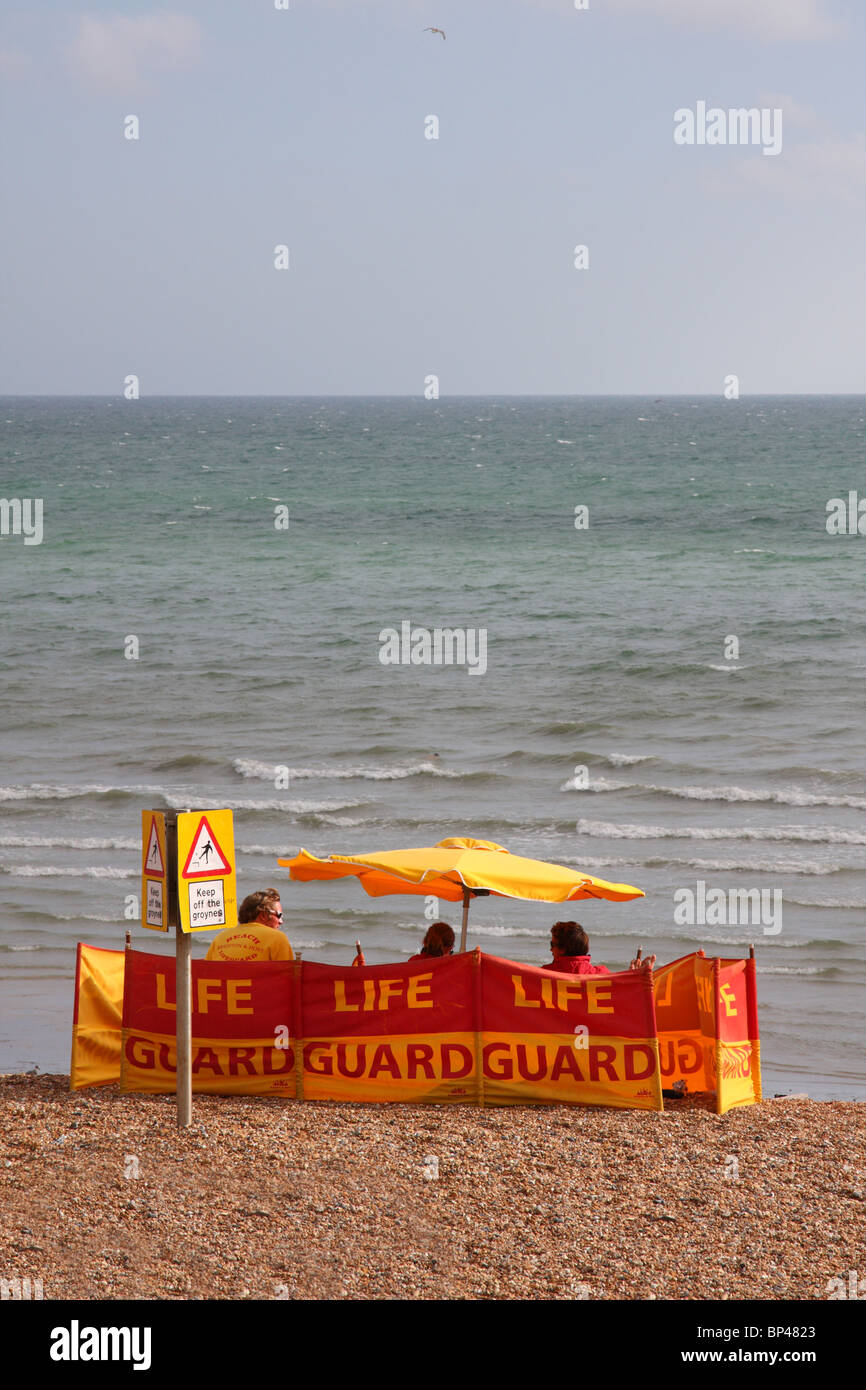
(411, 257)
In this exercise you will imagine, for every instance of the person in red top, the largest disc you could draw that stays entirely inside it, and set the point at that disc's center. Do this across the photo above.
(569, 946)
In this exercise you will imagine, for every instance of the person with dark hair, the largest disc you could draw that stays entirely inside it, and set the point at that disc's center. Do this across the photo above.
(259, 934)
(438, 941)
(569, 947)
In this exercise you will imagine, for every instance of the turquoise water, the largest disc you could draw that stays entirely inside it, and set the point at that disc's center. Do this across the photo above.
(606, 650)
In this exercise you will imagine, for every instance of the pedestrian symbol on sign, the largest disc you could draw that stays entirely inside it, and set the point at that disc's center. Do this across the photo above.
(205, 856)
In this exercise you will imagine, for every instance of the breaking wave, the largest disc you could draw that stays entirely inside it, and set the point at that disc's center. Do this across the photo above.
(790, 796)
(267, 772)
(623, 831)
(51, 871)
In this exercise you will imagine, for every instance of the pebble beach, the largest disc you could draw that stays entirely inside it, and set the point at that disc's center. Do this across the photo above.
(104, 1198)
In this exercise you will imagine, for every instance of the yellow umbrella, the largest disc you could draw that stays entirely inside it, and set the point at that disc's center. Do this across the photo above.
(459, 868)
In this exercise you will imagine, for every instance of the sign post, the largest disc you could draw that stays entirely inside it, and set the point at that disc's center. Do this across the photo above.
(202, 859)
(183, 987)
(187, 882)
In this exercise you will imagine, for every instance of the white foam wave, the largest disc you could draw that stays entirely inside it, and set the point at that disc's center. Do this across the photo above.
(789, 796)
(753, 937)
(267, 772)
(761, 866)
(856, 903)
(343, 821)
(600, 784)
(272, 851)
(626, 759)
(52, 871)
(797, 833)
(790, 969)
(274, 803)
(584, 862)
(88, 917)
(50, 791)
(713, 667)
(65, 842)
(498, 930)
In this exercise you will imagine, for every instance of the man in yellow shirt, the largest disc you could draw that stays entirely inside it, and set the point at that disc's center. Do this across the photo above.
(259, 933)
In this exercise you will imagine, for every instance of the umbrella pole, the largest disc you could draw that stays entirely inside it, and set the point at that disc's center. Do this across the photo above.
(466, 900)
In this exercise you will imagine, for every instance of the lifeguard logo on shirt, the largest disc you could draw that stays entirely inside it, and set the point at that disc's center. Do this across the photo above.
(241, 945)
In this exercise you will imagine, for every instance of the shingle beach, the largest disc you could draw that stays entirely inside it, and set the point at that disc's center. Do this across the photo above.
(265, 1199)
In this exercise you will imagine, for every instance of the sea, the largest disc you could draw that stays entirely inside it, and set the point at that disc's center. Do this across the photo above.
(671, 695)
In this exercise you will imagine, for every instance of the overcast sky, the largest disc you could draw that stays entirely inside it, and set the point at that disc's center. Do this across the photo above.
(411, 256)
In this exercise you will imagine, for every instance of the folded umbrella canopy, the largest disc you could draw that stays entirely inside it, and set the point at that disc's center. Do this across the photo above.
(459, 868)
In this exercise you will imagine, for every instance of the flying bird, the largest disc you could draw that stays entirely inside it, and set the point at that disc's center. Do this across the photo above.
(431, 30)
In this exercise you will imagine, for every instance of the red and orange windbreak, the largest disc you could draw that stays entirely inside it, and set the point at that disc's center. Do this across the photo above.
(241, 1026)
(470, 1028)
(574, 1039)
(391, 1032)
(707, 1018)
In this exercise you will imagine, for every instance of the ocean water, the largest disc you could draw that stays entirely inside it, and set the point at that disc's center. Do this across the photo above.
(616, 725)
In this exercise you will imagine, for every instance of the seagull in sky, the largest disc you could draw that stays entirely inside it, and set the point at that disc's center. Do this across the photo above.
(431, 30)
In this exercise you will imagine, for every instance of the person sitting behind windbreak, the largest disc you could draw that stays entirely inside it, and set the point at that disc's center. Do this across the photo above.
(569, 945)
(438, 941)
(259, 933)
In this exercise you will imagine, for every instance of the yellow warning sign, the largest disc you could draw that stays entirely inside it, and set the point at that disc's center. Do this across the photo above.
(154, 875)
(207, 888)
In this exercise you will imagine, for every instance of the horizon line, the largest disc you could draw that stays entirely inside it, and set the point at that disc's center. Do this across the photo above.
(456, 396)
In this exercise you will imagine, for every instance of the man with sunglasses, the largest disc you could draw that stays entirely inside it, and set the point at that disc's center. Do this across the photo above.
(259, 933)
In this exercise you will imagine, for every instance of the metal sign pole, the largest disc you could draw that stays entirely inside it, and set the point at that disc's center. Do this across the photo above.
(183, 981)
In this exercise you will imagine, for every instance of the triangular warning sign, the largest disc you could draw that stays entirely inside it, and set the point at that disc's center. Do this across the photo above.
(153, 855)
(205, 857)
